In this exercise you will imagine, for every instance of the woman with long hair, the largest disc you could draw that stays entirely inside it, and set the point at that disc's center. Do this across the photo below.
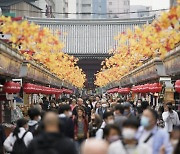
(21, 131)
(80, 126)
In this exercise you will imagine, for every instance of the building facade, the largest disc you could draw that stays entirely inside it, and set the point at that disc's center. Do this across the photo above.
(53, 8)
(90, 39)
(118, 8)
(141, 11)
(99, 9)
(22, 8)
(173, 3)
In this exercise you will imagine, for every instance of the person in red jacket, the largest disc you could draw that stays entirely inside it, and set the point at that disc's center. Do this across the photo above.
(80, 126)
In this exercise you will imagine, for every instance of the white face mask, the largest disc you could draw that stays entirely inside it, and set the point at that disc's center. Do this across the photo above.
(111, 121)
(128, 133)
(104, 105)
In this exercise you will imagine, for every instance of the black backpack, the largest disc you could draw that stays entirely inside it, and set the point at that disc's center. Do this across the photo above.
(19, 146)
(33, 129)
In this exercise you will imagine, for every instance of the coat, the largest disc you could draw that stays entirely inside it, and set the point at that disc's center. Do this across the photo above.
(9, 142)
(51, 143)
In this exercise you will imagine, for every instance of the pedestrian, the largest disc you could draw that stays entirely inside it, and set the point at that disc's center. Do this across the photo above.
(149, 133)
(80, 104)
(170, 117)
(111, 133)
(45, 105)
(80, 126)
(35, 117)
(73, 104)
(51, 141)
(101, 110)
(53, 105)
(94, 125)
(175, 136)
(119, 115)
(2, 138)
(97, 100)
(108, 118)
(67, 125)
(94, 146)
(127, 110)
(129, 143)
(19, 139)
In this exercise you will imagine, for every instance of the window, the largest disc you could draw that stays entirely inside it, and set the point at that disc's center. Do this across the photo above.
(86, 5)
(110, 3)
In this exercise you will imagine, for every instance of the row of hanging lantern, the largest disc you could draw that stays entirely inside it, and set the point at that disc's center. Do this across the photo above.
(13, 88)
(146, 88)
(177, 86)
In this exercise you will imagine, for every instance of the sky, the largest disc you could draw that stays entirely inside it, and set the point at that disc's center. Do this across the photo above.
(156, 4)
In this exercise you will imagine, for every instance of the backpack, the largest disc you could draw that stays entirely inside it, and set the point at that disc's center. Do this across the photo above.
(33, 129)
(19, 146)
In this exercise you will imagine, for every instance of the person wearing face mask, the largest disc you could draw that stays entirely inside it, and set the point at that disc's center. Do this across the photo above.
(108, 118)
(149, 133)
(127, 110)
(170, 117)
(129, 143)
(65, 115)
(103, 108)
(111, 133)
(20, 132)
(35, 117)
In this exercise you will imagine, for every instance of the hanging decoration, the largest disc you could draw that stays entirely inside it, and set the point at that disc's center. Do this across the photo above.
(142, 44)
(42, 46)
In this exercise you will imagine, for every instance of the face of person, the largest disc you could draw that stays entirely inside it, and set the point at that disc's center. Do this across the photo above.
(113, 132)
(104, 105)
(93, 117)
(126, 111)
(80, 102)
(91, 98)
(80, 113)
(26, 126)
(116, 112)
(129, 132)
(97, 99)
(113, 135)
(110, 120)
(73, 101)
(98, 105)
(150, 120)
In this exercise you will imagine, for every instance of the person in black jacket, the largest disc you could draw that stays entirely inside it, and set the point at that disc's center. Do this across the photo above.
(2, 138)
(66, 122)
(51, 141)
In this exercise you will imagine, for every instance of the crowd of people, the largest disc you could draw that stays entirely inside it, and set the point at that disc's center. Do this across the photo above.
(95, 125)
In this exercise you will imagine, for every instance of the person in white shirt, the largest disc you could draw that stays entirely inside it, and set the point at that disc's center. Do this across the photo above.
(20, 130)
(170, 118)
(108, 119)
(129, 143)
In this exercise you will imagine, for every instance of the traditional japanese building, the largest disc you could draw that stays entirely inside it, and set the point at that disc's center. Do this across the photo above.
(90, 40)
